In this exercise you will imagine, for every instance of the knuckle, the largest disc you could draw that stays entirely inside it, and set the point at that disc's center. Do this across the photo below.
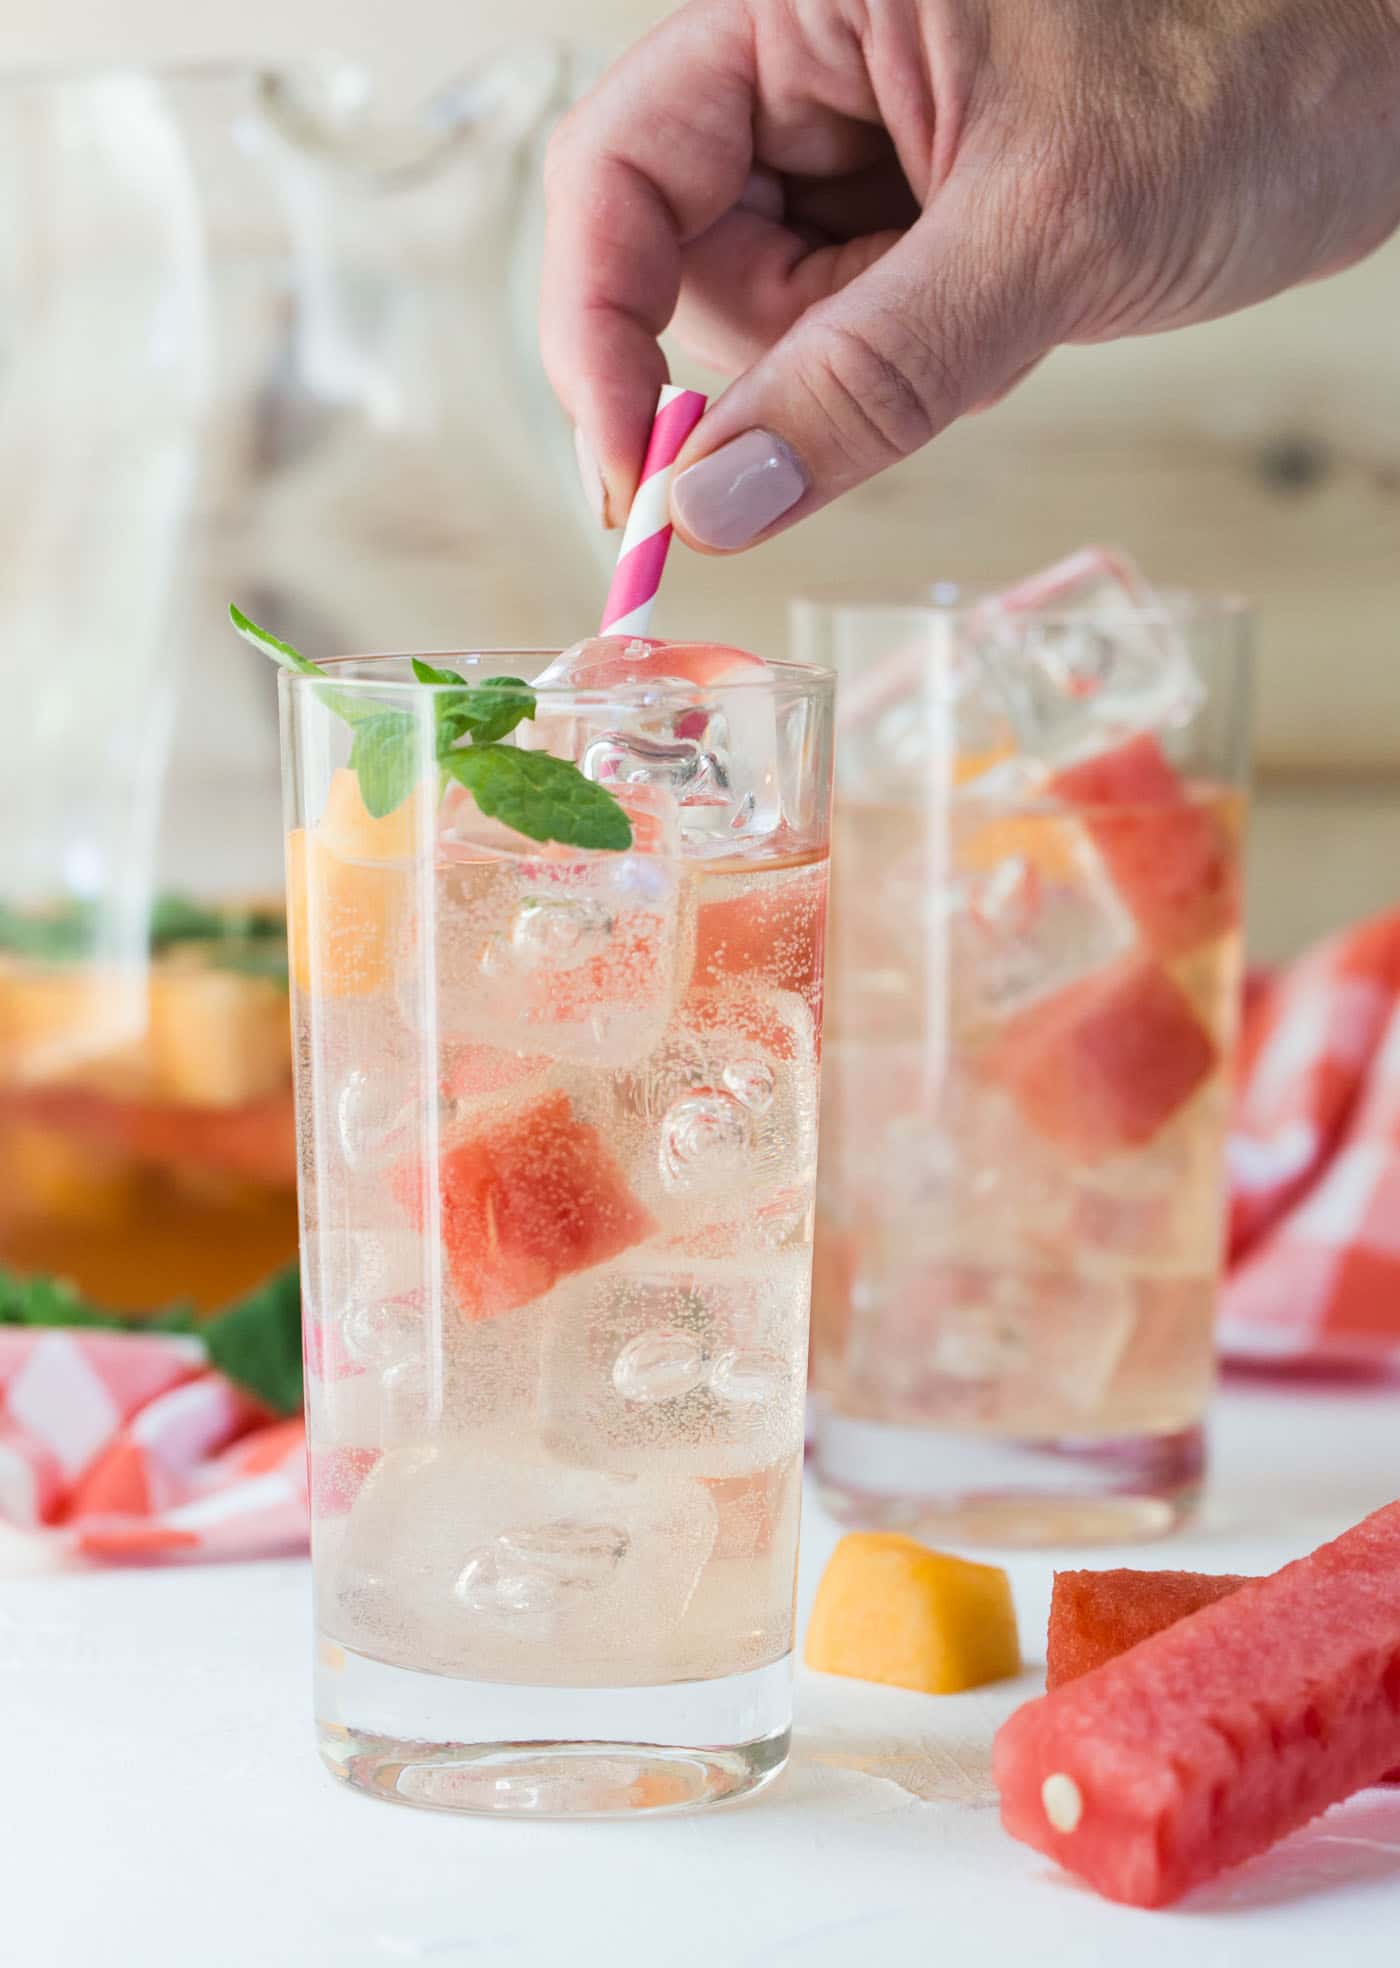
(876, 399)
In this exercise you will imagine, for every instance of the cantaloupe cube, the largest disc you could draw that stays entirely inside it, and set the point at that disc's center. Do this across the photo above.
(50, 1173)
(73, 1021)
(217, 1038)
(350, 830)
(889, 1609)
(346, 898)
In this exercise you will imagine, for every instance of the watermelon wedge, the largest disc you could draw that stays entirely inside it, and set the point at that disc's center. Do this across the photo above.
(1104, 1064)
(532, 1198)
(1219, 1735)
(1171, 859)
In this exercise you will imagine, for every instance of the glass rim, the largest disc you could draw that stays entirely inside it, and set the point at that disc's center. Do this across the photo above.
(947, 601)
(781, 673)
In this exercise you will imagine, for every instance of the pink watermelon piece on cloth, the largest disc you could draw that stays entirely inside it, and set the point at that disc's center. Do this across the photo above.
(1167, 854)
(531, 1198)
(1215, 1738)
(1104, 1064)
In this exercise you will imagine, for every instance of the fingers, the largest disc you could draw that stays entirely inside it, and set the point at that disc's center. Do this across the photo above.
(748, 279)
(658, 153)
(942, 321)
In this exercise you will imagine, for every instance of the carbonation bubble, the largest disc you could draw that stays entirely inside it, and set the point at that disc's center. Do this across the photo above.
(704, 1135)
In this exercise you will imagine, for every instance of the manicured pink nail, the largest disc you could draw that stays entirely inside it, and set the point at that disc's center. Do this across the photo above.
(736, 493)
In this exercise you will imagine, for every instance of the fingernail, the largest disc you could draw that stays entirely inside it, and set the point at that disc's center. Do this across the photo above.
(591, 474)
(737, 492)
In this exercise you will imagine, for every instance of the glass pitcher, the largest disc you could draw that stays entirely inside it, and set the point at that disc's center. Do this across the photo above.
(256, 343)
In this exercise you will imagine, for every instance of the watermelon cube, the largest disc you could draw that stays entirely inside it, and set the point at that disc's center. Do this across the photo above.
(1169, 854)
(772, 932)
(1097, 1615)
(532, 1198)
(1216, 1737)
(1104, 1064)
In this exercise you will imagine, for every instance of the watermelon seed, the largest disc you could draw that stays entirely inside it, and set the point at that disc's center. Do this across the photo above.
(1063, 1801)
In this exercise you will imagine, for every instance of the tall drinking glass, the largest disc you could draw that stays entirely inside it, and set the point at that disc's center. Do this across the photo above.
(557, 1113)
(1032, 988)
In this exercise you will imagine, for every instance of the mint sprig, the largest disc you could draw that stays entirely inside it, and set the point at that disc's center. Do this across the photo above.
(540, 796)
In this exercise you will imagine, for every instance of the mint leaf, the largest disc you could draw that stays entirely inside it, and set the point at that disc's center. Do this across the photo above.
(354, 710)
(257, 1342)
(543, 797)
(177, 919)
(497, 707)
(282, 653)
(485, 711)
(40, 1300)
(384, 758)
(427, 673)
(43, 1301)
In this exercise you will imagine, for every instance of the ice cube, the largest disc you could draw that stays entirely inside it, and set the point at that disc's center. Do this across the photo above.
(721, 1115)
(668, 715)
(466, 1560)
(1083, 653)
(989, 1347)
(348, 1273)
(949, 1172)
(1029, 922)
(741, 1615)
(677, 1366)
(559, 953)
(1158, 1210)
(924, 712)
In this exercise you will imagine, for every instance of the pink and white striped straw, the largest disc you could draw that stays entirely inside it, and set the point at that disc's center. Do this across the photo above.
(647, 534)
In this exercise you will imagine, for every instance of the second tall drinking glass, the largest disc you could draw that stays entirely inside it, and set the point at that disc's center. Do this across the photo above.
(558, 1112)
(1034, 968)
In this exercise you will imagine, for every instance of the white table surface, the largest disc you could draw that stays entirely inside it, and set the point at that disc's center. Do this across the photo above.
(164, 1805)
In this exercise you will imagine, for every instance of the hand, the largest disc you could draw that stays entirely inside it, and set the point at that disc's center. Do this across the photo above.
(878, 215)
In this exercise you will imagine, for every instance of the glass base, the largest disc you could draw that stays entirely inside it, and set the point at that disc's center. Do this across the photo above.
(982, 1489)
(501, 1749)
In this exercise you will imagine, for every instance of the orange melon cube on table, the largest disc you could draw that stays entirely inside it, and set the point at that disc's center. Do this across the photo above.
(889, 1609)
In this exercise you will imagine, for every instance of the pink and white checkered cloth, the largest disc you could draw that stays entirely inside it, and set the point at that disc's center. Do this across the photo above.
(125, 1445)
(1314, 1159)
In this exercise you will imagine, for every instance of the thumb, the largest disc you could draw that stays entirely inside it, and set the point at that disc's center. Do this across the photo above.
(943, 322)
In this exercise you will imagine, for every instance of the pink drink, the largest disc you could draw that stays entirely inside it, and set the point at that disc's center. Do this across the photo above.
(1031, 989)
(559, 1163)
